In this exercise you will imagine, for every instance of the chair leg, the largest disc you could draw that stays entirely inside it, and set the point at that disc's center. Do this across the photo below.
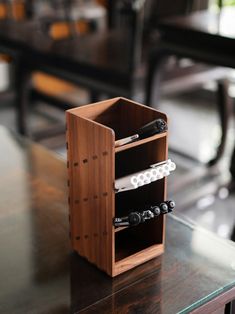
(153, 79)
(233, 234)
(155, 66)
(232, 170)
(224, 110)
(23, 88)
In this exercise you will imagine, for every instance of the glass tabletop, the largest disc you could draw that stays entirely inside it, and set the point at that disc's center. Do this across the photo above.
(38, 272)
(204, 262)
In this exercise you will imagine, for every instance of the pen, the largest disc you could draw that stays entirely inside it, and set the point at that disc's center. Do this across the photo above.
(126, 140)
(149, 129)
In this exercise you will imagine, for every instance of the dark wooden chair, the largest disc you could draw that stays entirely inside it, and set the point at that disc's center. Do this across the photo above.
(142, 19)
(185, 78)
(48, 88)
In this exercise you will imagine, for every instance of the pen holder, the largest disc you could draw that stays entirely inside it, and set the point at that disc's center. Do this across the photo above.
(93, 166)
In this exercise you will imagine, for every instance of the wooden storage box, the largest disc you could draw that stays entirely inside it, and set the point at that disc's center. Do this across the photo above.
(93, 165)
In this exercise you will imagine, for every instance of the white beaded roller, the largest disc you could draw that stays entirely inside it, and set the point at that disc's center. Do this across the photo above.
(138, 179)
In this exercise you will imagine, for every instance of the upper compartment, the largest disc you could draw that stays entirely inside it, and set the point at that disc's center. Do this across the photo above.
(123, 116)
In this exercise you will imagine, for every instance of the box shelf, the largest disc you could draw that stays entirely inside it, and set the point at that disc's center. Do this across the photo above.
(136, 239)
(140, 157)
(93, 165)
(137, 199)
(139, 142)
(118, 229)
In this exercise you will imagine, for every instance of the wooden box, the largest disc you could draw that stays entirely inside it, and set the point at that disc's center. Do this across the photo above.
(93, 165)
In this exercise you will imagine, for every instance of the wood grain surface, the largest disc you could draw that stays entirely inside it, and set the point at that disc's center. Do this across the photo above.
(91, 194)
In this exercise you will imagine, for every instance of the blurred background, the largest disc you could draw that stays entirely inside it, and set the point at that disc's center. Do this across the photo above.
(60, 54)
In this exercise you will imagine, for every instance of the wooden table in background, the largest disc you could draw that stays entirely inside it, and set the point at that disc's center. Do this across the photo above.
(40, 274)
(99, 62)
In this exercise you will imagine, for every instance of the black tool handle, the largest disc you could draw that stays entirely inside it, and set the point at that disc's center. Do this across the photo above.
(153, 127)
(136, 217)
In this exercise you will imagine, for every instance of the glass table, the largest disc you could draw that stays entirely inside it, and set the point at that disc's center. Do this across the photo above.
(40, 274)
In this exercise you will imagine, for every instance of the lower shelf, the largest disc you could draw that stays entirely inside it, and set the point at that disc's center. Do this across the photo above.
(132, 240)
(137, 259)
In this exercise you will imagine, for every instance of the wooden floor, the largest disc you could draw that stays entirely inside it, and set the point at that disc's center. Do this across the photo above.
(194, 135)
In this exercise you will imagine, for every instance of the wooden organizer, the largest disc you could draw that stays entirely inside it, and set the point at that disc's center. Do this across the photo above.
(93, 165)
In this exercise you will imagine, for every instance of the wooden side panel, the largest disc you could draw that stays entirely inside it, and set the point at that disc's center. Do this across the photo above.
(91, 195)
(165, 195)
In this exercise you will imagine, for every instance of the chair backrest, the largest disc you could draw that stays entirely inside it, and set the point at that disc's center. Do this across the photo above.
(140, 16)
(155, 10)
(160, 9)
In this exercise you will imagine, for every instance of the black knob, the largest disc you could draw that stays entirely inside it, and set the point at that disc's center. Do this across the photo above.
(134, 218)
(161, 125)
(156, 210)
(164, 208)
(171, 205)
(153, 127)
